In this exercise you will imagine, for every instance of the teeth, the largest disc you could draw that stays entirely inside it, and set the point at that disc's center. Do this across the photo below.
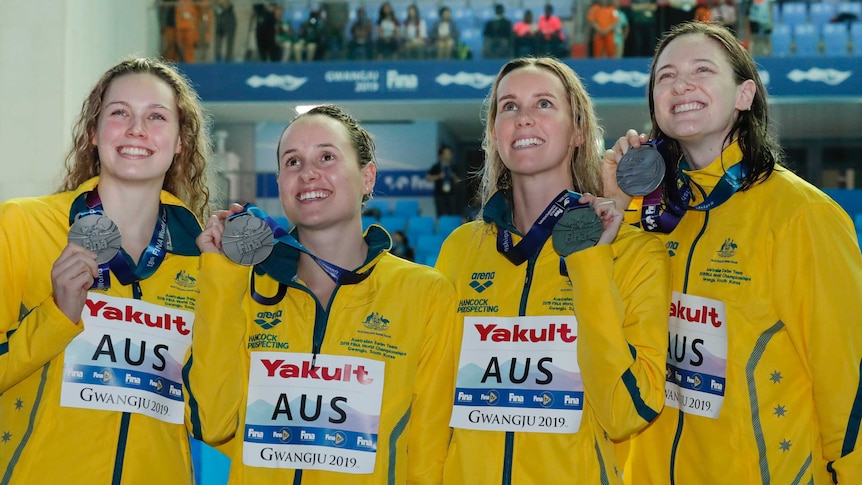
(681, 108)
(315, 194)
(135, 151)
(526, 142)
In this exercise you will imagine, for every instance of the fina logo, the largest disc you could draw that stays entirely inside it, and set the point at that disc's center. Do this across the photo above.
(635, 79)
(288, 83)
(831, 77)
(474, 80)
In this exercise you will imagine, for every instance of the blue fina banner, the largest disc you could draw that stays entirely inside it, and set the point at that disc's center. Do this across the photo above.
(452, 80)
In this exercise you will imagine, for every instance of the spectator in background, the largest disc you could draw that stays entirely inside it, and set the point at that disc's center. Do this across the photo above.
(168, 21)
(388, 32)
(760, 27)
(401, 246)
(310, 41)
(642, 37)
(526, 35)
(286, 38)
(603, 17)
(723, 12)
(498, 35)
(621, 32)
(444, 174)
(225, 30)
(445, 35)
(552, 41)
(267, 16)
(415, 34)
(360, 45)
(191, 15)
(703, 11)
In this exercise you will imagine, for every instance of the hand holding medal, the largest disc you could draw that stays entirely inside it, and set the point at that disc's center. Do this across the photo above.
(238, 234)
(641, 170)
(97, 233)
(592, 221)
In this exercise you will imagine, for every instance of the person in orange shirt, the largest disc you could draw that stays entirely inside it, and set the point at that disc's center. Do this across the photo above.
(190, 14)
(603, 17)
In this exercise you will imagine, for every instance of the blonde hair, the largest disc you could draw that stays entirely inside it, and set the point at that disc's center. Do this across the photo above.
(585, 166)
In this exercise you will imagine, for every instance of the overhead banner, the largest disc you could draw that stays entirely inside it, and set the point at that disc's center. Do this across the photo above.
(453, 80)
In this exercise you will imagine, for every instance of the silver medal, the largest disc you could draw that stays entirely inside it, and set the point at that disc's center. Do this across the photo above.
(640, 171)
(247, 240)
(98, 233)
(577, 229)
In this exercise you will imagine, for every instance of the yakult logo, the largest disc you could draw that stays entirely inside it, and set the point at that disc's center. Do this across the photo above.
(705, 314)
(128, 314)
(518, 334)
(344, 373)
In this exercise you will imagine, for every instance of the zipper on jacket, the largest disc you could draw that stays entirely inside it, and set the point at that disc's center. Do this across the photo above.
(509, 448)
(125, 421)
(678, 436)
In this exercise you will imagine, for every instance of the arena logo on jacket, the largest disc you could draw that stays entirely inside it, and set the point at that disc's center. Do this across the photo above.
(128, 358)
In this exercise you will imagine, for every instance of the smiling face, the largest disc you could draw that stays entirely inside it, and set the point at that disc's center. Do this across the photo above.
(137, 134)
(696, 95)
(320, 180)
(533, 129)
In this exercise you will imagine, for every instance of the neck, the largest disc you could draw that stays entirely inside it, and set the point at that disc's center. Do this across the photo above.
(701, 155)
(134, 210)
(530, 199)
(343, 248)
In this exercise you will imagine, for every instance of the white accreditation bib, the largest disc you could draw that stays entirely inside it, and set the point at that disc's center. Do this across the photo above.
(696, 355)
(129, 358)
(519, 374)
(312, 413)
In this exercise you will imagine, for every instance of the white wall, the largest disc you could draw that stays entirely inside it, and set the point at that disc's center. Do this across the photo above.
(51, 54)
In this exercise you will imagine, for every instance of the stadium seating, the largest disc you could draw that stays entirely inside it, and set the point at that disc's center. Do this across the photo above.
(852, 8)
(835, 40)
(447, 224)
(406, 208)
(427, 245)
(394, 223)
(379, 206)
(820, 13)
(418, 226)
(794, 13)
(782, 41)
(856, 38)
(807, 40)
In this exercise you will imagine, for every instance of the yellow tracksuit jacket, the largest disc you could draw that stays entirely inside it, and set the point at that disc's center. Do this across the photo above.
(400, 315)
(40, 440)
(783, 259)
(619, 294)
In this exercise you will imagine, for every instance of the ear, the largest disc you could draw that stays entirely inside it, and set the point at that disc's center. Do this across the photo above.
(179, 146)
(369, 175)
(577, 137)
(745, 95)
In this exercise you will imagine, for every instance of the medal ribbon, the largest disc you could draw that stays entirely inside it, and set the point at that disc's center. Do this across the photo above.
(540, 232)
(120, 265)
(338, 274)
(656, 219)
